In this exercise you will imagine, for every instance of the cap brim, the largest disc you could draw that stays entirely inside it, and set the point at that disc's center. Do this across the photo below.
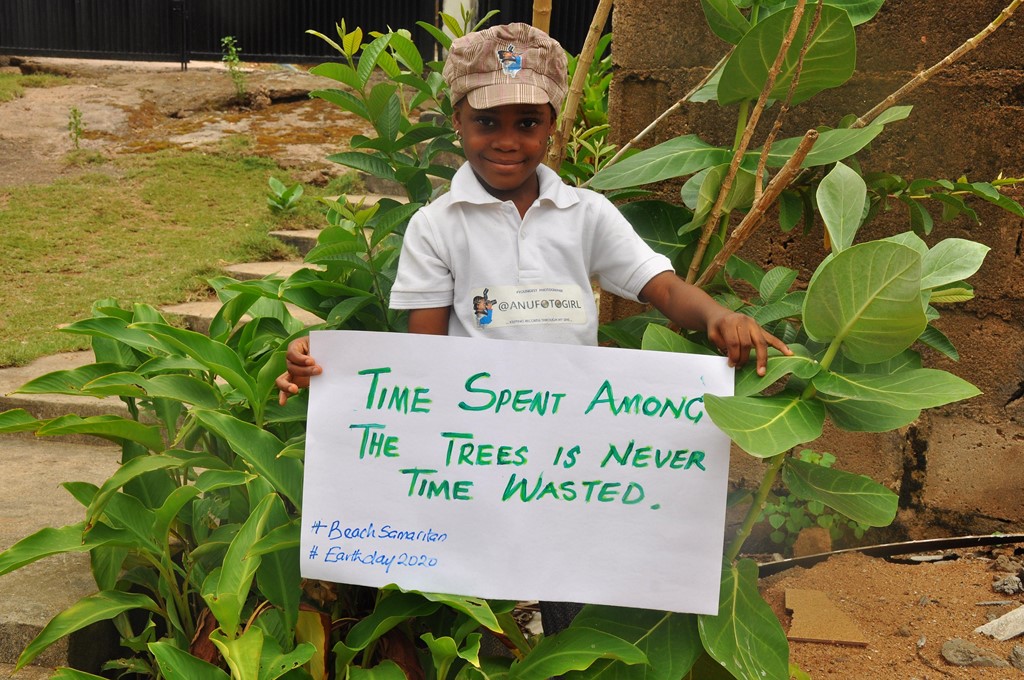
(490, 96)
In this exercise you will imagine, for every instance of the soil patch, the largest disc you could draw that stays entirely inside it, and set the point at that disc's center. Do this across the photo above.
(907, 611)
(133, 107)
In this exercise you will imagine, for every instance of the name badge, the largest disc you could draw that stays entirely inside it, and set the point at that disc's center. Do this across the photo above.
(501, 306)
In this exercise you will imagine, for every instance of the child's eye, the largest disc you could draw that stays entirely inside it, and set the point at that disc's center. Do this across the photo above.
(530, 123)
(483, 121)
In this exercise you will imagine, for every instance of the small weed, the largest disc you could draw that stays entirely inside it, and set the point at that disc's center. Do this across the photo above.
(283, 199)
(231, 59)
(75, 126)
(81, 158)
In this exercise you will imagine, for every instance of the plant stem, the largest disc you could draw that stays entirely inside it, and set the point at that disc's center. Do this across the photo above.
(748, 133)
(923, 77)
(756, 506)
(542, 15)
(556, 153)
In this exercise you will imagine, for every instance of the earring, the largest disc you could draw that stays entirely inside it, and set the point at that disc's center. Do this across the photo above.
(551, 140)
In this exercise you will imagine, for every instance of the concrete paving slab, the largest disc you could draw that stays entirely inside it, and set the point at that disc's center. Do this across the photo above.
(303, 240)
(31, 498)
(248, 271)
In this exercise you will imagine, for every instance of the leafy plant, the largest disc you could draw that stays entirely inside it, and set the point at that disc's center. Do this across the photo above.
(197, 536)
(232, 59)
(75, 126)
(283, 199)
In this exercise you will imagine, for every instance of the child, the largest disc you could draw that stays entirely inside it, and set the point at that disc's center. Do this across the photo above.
(512, 244)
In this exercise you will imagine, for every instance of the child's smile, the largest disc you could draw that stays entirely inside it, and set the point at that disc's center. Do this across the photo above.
(504, 146)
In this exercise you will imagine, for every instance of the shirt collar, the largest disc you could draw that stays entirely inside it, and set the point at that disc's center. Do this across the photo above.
(468, 189)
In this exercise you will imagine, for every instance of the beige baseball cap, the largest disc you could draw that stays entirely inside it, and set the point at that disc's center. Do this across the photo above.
(507, 64)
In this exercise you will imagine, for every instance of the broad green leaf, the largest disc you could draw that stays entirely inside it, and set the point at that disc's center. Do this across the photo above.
(951, 260)
(894, 114)
(241, 653)
(68, 381)
(658, 338)
(670, 641)
(117, 330)
(789, 307)
(386, 670)
(916, 388)
(828, 62)
(658, 223)
(725, 20)
(767, 426)
(444, 651)
(72, 674)
(87, 611)
(775, 283)
(476, 608)
(278, 574)
(573, 649)
(745, 636)
(866, 416)
(392, 610)
(260, 450)
(124, 474)
(215, 356)
(385, 111)
(841, 197)
(113, 428)
(343, 73)
(801, 364)
(858, 497)
(868, 298)
(178, 664)
(370, 58)
(677, 157)
(832, 146)
(951, 293)
(860, 11)
(18, 420)
(938, 341)
(227, 588)
(53, 541)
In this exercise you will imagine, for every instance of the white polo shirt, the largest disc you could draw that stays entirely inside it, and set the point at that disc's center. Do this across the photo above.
(526, 278)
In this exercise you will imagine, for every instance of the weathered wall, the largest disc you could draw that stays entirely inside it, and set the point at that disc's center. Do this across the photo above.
(959, 469)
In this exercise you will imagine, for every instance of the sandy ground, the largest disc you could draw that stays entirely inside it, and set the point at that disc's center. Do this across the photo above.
(130, 107)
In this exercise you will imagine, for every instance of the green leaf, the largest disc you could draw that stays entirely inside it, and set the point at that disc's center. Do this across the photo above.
(72, 674)
(18, 420)
(775, 283)
(241, 653)
(113, 428)
(866, 416)
(894, 114)
(215, 356)
(951, 260)
(767, 426)
(391, 610)
(858, 497)
(828, 62)
(260, 450)
(87, 611)
(832, 146)
(54, 541)
(725, 20)
(178, 664)
(868, 298)
(841, 197)
(658, 223)
(670, 641)
(68, 381)
(938, 341)
(386, 670)
(677, 157)
(573, 649)
(801, 364)
(370, 58)
(124, 474)
(860, 11)
(661, 339)
(915, 388)
(745, 636)
(227, 588)
(476, 608)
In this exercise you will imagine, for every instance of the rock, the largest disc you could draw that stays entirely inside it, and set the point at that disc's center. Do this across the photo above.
(1006, 627)
(1017, 657)
(962, 653)
(1008, 564)
(1009, 585)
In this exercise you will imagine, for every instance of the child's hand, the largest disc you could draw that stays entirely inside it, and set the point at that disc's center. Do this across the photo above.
(736, 334)
(300, 367)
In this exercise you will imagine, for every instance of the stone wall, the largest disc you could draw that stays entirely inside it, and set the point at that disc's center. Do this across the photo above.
(959, 469)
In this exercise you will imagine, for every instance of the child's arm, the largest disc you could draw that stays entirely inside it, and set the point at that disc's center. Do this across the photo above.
(690, 307)
(301, 366)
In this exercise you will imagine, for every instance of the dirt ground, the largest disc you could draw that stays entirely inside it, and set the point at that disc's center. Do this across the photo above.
(905, 611)
(131, 107)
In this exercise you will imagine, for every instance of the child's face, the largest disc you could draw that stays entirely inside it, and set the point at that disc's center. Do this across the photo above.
(504, 145)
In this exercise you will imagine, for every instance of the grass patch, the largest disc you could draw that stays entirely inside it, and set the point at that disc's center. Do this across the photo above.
(12, 85)
(151, 231)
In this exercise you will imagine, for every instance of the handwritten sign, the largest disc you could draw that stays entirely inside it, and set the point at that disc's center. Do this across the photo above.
(515, 470)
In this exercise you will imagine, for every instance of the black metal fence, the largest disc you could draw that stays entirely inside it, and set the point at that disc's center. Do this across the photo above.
(265, 30)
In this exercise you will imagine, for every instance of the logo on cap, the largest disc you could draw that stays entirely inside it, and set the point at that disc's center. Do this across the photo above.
(511, 63)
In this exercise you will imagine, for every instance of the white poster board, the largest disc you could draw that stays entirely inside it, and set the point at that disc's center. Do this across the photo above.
(515, 470)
